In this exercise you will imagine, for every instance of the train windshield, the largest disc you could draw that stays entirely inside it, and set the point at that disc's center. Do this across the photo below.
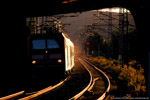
(45, 44)
(38, 44)
(51, 43)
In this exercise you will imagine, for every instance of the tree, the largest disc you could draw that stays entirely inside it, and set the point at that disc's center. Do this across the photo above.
(96, 45)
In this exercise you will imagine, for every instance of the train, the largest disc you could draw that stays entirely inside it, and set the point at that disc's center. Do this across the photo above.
(53, 52)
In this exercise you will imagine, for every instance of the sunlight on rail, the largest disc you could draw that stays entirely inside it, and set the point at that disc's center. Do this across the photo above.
(12, 95)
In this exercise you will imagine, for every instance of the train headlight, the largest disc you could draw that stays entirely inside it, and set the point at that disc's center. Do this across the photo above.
(46, 51)
(33, 62)
(59, 60)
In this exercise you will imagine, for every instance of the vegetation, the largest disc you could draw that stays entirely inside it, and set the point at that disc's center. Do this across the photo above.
(100, 46)
(97, 45)
(130, 79)
(128, 74)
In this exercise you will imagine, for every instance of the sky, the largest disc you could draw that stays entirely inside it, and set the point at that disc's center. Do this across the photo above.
(112, 10)
(77, 24)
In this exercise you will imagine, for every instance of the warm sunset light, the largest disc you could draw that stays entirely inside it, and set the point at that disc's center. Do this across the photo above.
(112, 10)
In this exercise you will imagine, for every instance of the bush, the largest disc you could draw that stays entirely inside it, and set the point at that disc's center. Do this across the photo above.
(130, 77)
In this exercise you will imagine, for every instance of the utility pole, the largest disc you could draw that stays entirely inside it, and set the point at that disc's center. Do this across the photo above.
(109, 24)
(126, 32)
(123, 29)
(110, 32)
(121, 32)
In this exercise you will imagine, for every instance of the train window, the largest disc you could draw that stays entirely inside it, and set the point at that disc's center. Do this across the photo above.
(52, 44)
(38, 44)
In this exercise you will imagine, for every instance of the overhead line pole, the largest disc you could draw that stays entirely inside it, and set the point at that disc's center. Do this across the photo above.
(122, 27)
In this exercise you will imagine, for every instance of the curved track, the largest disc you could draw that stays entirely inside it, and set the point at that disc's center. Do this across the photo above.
(99, 83)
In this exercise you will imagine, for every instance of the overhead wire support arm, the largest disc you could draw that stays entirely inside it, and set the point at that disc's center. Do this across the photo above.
(113, 18)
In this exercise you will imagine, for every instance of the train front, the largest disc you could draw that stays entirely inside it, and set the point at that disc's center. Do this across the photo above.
(47, 52)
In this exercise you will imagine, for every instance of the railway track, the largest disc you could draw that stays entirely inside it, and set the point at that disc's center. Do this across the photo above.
(99, 83)
(89, 84)
(22, 95)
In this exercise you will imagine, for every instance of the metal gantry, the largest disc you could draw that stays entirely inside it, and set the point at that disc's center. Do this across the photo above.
(104, 22)
(42, 25)
(122, 27)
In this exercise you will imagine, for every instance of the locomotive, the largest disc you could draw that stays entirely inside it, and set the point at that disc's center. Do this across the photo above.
(53, 52)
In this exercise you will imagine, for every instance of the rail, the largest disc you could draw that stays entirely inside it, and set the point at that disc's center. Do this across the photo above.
(86, 88)
(33, 94)
(108, 88)
(90, 85)
(43, 91)
(13, 95)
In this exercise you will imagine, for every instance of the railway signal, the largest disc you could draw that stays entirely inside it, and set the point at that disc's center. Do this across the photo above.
(87, 43)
